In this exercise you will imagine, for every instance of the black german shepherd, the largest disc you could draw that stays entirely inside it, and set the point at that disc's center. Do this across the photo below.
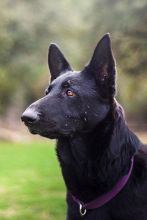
(103, 163)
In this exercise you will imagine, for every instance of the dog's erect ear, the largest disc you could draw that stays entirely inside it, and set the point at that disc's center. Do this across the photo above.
(57, 62)
(102, 66)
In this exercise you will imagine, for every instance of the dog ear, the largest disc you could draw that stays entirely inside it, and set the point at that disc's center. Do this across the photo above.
(57, 62)
(102, 66)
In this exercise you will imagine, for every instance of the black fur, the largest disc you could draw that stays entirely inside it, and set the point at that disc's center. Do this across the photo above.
(94, 143)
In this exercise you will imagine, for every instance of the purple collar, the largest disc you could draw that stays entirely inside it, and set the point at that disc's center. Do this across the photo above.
(103, 199)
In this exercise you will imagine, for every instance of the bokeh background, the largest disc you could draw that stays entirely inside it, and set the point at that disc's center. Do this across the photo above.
(31, 186)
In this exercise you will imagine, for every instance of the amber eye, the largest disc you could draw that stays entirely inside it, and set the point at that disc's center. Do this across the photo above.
(70, 93)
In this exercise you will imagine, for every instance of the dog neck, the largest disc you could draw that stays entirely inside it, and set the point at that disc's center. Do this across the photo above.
(92, 163)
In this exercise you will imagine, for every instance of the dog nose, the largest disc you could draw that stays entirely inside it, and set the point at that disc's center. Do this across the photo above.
(29, 116)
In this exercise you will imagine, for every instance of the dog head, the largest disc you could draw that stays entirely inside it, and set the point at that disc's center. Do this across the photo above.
(75, 101)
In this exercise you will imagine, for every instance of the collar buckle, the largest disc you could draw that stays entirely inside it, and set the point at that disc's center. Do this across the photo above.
(82, 210)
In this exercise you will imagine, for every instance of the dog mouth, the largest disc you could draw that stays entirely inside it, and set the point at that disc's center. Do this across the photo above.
(32, 130)
(48, 129)
(38, 124)
(51, 132)
(31, 127)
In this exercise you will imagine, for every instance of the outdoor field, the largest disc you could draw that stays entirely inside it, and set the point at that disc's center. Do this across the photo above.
(31, 187)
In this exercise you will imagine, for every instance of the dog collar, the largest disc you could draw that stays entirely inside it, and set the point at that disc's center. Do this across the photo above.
(105, 198)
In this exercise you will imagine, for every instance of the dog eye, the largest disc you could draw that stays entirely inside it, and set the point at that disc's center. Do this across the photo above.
(70, 93)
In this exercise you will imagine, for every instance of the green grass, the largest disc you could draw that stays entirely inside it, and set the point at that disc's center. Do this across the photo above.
(31, 186)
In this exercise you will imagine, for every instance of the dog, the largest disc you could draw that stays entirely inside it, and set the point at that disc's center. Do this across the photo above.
(103, 163)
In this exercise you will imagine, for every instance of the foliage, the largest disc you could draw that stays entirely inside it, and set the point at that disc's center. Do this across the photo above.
(27, 28)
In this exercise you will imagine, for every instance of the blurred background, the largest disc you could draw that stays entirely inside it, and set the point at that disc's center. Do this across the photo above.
(30, 183)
